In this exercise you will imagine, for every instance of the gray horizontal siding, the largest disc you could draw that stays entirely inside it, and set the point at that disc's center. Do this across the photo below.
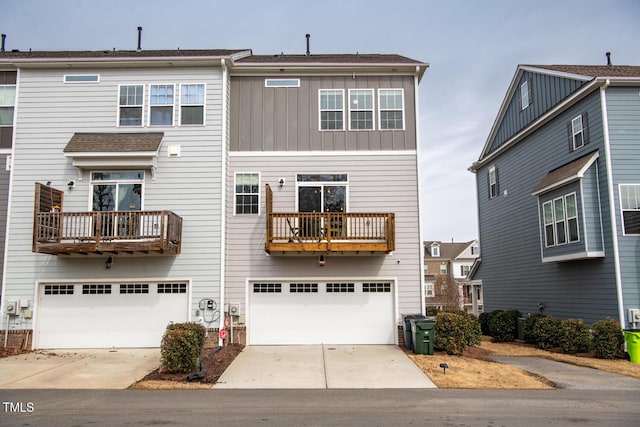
(376, 184)
(286, 119)
(190, 185)
(546, 91)
(623, 107)
(512, 272)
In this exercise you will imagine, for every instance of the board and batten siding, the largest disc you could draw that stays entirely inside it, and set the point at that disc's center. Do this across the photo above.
(546, 91)
(623, 112)
(512, 271)
(286, 119)
(189, 185)
(377, 183)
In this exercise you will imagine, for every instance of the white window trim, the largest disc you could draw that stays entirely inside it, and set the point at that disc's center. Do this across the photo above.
(173, 105)
(119, 106)
(323, 184)
(429, 290)
(372, 109)
(93, 182)
(66, 80)
(524, 95)
(493, 185)
(235, 194)
(622, 210)
(281, 82)
(10, 105)
(204, 104)
(555, 221)
(575, 133)
(320, 110)
(443, 269)
(435, 251)
(380, 109)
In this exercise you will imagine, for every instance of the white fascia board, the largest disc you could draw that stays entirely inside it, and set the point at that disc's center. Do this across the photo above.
(556, 73)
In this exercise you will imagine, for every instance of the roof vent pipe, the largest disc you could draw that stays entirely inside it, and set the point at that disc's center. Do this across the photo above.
(609, 64)
(308, 51)
(4, 37)
(139, 39)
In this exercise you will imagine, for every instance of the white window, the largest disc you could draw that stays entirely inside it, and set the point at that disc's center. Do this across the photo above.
(391, 104)
(281, 82)
(630, 207)
(560, 218)
(192, 104)
(475, 250)
(331, 109)
(81, 78)
(524, 95)
(464, 270)
(435, 251)
(361, 109)
(7, 103)
(493, 182)
(161, 105)
(577, 132)
(130, 105)
(443, 269)
(428, 290)
(116, 191)
(247, 192)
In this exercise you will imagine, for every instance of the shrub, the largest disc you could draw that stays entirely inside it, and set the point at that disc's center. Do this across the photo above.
(484, 322)
(451, 332)
(548, 332)
(608, 339)
(576, 337)
(181, 347)
(529, 325)
(503, 325)
(474, 332)
(432, 311)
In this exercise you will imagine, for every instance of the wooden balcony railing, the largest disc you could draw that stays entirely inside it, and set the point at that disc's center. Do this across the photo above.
(59, 233)
(328, 232)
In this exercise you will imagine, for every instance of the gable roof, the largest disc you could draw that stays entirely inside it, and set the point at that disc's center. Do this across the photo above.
(565, 174)
(447, 250)
(594, 77)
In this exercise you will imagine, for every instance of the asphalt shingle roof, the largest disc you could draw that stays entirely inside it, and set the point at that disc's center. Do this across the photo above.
(356, 58)
(595, 70)
(68, 54)
(114, 142)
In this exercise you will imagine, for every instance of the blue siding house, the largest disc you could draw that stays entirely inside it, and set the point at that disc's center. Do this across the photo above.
(558, 185)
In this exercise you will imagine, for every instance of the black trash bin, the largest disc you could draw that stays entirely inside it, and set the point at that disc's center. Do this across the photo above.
(408, 334)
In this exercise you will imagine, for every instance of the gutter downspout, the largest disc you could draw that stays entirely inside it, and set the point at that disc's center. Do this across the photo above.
(612, 204)
(223, 195)
(421, 242)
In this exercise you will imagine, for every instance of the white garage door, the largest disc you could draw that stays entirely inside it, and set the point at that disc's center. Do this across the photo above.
(102, 315)
(322, 312)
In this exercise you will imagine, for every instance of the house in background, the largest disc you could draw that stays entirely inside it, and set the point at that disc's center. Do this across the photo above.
(446, 276)
(323, 175)
(117, 198)
(558, 184)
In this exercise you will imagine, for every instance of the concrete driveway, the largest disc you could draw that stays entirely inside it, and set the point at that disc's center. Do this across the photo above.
(78, 369)
(323, 366)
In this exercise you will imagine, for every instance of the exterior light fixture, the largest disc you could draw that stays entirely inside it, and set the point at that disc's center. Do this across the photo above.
(71, 184)
(281, 182)
(322, 261)
(108, 263)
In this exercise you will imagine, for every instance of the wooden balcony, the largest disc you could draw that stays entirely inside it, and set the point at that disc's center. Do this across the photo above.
(306, 233)
(85, 233)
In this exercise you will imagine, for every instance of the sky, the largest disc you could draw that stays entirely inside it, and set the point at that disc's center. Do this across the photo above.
(472, 48)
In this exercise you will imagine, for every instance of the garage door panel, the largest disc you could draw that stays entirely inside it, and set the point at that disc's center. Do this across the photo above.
(104, 320)
(355, 317)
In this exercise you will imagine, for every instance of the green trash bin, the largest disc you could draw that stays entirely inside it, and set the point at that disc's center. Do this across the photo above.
(424, 335)
(632, 338)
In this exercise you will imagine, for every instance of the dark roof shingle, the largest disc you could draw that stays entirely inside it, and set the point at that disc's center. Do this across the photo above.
(114, 142)
(594, 70)
(97, 54)
(356, 58)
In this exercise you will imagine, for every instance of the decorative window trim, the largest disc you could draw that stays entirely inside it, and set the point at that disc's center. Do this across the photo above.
(359, 109)
(435, 251)
(81, 78)
(381, 110)
(171, 288)
(339, 109)
(376, 287)
(303, 288)
(237, 194)
(96, 289)
(558, 228)
(131, 106)
(153, 106)
(578, 130)
(340, 288)
(183, 104)
(134, 288)
(273, 83)
(492, 181)
(629, 200)
(58, 289)
(267, 288)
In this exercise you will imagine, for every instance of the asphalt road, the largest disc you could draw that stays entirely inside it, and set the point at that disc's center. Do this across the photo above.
(283, 408)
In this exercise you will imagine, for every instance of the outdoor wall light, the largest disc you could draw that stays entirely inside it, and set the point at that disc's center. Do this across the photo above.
(281, 182)
(322, 261)
(71, 184)
(108, 263)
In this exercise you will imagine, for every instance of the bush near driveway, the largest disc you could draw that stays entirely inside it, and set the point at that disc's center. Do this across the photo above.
(455, 330)
(608, 340)
(576, 337)
(181, 347)
(548, 332)
(529, 324)
(503, 325)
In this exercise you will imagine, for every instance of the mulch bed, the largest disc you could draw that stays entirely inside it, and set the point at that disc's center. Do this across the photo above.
(215, 364)
(6, 352)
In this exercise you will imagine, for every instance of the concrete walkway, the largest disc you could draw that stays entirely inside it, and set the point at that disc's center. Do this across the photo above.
(323, 366)
(566, 375)
(78, 369)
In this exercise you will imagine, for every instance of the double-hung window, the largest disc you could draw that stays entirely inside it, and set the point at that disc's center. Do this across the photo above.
(361, 109)
(192, 104)
(630, 206)
(493, 182)
(331, 109)
(247, 192)
(525, 95)
(130, 105)
(578, 132)
(7, 103)
(161, 105)
(391, 105)
(561, 220)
